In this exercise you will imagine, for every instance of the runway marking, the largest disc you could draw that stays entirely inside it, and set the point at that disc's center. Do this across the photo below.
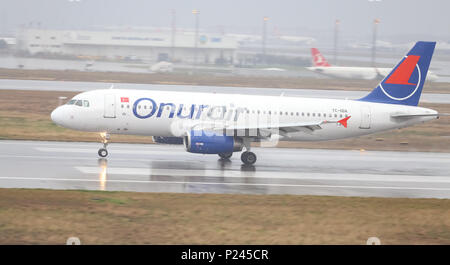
(34, 144)
(91, 159)
(345, 155)
(93, 147)
(94, 151)
(315, 154)
(264, 174)
(232, 184)
(232, 172)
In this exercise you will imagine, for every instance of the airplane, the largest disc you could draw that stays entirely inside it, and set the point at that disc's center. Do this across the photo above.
(162, 67)
(214, 123)
(321, 66)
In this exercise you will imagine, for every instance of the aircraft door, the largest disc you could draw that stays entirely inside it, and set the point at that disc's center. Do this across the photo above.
(366, 117)
(110, 106)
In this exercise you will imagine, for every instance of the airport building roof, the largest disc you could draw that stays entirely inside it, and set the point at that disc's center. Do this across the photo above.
(134, 38)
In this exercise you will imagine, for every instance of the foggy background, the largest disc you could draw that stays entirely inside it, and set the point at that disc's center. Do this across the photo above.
(401, 20)
(225, 37)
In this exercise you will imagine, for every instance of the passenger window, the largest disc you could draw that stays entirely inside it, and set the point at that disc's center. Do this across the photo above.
(79, 103)
(86, 103)
(314, 115)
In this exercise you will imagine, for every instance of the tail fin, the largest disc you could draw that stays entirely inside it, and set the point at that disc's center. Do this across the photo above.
(403, 85)
(318, 59)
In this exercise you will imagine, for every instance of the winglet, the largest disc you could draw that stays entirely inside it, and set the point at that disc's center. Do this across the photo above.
(344, 121)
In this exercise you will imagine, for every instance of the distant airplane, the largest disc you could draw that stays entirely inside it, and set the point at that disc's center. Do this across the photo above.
(213, 123)
(321, 66)
(162, 67)
(257, 38)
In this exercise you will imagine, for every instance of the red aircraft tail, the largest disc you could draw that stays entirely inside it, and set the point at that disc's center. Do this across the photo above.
(318, 59)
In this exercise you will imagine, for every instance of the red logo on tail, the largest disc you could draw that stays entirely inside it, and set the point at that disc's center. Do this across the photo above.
(318, 59)
(404, 71)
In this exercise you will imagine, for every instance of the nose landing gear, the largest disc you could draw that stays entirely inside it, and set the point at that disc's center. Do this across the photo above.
(103, 152)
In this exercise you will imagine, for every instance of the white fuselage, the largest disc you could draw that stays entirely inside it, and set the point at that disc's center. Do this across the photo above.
(164, 113)
(366, 73)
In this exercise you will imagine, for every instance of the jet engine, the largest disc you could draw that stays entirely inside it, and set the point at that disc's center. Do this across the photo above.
(202, 142)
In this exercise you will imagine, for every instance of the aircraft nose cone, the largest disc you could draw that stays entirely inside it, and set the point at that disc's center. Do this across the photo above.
(56, 116)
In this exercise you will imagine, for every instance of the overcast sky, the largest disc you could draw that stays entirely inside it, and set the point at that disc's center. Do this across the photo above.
(419, 18)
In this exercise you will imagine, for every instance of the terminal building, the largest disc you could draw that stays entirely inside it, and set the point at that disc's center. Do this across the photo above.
(147, 46)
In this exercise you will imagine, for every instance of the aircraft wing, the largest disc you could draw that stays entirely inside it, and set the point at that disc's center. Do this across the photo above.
(268, 128)
(290, 127)
(258, 131)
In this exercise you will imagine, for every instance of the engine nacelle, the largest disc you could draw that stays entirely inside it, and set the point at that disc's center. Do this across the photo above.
(167, 140)
(209, 143)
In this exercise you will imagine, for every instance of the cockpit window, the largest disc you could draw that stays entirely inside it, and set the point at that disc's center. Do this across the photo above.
(79, 102)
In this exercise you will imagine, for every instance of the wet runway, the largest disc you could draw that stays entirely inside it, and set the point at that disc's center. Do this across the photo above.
(311, 93)
(164, 168)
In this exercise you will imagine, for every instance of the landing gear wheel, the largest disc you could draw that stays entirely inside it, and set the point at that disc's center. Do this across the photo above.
(225, 155)
(248, 158)
(102, 152)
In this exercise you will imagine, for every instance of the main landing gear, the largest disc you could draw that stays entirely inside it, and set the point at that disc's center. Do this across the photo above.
(102, 152)
(226, 155)
(247, 157)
